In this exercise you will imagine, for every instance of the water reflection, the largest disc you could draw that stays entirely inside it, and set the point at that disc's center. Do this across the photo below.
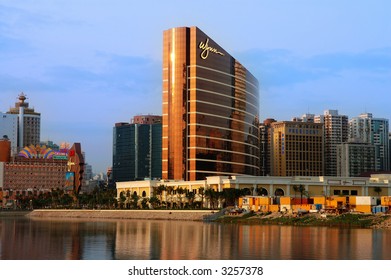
(40, 239)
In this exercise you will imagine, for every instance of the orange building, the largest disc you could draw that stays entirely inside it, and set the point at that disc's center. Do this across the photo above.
(210, 109)
(296, 149)
(5, 150)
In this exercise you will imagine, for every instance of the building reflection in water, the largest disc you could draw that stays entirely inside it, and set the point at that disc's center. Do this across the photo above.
(40, 239)
(192, 240)
(289, 242)
(44, 239)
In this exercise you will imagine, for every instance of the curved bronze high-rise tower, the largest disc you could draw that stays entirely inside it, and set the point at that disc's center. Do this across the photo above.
(210, 109)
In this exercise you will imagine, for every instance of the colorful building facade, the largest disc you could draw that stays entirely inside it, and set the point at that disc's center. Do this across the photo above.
(38, 169)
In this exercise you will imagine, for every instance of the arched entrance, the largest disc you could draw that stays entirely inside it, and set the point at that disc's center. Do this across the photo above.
(262, 192)
(279, 192)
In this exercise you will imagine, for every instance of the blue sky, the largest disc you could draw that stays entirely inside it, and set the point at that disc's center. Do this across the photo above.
(86, 65)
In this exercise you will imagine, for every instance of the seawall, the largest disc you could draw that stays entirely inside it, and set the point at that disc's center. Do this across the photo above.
(13, 213)
(180, 215)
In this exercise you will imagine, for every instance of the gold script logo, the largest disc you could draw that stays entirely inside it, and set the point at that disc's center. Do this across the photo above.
(206, 49)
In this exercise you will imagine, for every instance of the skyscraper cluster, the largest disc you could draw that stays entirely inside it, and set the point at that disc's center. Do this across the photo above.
(344, 147)
(210, 126)
(29, 167)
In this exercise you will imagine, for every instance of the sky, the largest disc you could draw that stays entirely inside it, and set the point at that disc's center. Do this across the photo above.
(86, 65)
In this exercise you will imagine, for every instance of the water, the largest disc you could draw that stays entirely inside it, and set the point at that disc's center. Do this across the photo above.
(22, 238)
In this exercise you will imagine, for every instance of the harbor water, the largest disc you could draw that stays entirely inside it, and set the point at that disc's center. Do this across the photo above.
(23, 238)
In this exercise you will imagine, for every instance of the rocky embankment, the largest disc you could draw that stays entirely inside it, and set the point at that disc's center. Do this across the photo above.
(182, 215)
(358, 220)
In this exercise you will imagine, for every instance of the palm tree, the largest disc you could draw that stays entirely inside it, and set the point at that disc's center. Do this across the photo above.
(169, 190)
(135, 199)
(144, 202)
(190, 196)
(122, 199)
(231, 195)
(296, 189)
(159, 191)
(201, 192)
(213, 197)
(302, 191)
(154, 201)
(180, 191)
(210, 193)
(127, 199)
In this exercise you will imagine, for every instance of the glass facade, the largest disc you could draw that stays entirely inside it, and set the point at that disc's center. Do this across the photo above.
(210, 109)
(137, 152)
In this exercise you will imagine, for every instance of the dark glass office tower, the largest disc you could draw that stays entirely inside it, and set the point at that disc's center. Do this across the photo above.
(137, 151)
(210, 109)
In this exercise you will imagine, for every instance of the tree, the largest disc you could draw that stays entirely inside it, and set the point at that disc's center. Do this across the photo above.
(154, 201)
(127, 199)
(159, 191)
(180, 191)
(302, 191)
(135, 198)
(144, 203)
(231, 196)
(122, 199)
(201, 192)
(190, 196)
(296, 189)
(55, 197)
(107, 198)
(169, 190)
(66, 200)
(212, 196)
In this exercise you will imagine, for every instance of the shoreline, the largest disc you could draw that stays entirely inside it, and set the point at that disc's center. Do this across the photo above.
(377, 221)
(178, 215)
(7, 213)
(353, 220)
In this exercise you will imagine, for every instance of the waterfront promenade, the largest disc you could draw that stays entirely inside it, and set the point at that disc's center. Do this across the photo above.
(178, 215)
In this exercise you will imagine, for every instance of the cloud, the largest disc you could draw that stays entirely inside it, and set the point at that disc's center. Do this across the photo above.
(123, 87)
(85, 66)
(349, 82)
(376, 60)
(276, 68)
(82, 104)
